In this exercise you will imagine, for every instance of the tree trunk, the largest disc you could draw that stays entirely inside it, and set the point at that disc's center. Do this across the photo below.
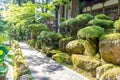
(75, 8)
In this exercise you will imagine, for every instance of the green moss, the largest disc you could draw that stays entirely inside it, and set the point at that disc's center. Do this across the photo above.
(102, 69)
(112, 36)
(61, 57)
(85, 62)
(111, 74)
(90, 32)
(75, 46)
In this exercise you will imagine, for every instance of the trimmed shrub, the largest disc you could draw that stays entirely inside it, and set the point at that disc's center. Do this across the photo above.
(102, 16)
(117, 25)
(102, 23)
(49, 38)
(90, 32)
(36, 29)
(84, 17)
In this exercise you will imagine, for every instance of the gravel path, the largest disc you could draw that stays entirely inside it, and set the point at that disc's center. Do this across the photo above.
(44, 68)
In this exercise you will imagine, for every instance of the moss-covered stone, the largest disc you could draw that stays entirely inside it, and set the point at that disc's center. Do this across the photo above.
(102, 69)
(76, 46)
(85, 62)
(63, 42)
(90, 48)
(109, 47)
(62, 58)
(112, 74)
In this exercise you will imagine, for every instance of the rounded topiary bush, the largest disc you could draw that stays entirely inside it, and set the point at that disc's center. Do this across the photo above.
(84, 17)
(102, 23)
(117, 25)
(90, 32)
(102, 16)
(49, 38)
(109, 46)
(76, 46)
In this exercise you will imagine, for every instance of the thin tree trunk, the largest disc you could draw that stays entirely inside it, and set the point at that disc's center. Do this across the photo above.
(75, 8)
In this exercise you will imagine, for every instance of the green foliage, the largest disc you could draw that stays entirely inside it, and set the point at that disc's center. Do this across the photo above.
(37, 28)
(63, 42)
(69, 23)
(102, 16)
(49, 35)
(117, 24)
(102, 23)
(84, 18)
(3, 53)
(31, 42)
(90, 32)
(61, 57)
(112, 36)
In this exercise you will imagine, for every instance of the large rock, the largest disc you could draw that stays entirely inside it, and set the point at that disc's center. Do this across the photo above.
(102, 69)
(112, 74)
(90, 48)
(76, 46)
(87, 63)
(109, 47)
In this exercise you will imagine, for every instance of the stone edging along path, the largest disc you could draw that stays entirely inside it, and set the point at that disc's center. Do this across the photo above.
(44, 68)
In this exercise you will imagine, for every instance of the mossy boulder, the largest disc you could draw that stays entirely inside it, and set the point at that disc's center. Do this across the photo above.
(63, 42)
(109, 47)
(112, 74)
(76, 46)
(90, 48)
(61, 58)
(102, 69)
(87, 63)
